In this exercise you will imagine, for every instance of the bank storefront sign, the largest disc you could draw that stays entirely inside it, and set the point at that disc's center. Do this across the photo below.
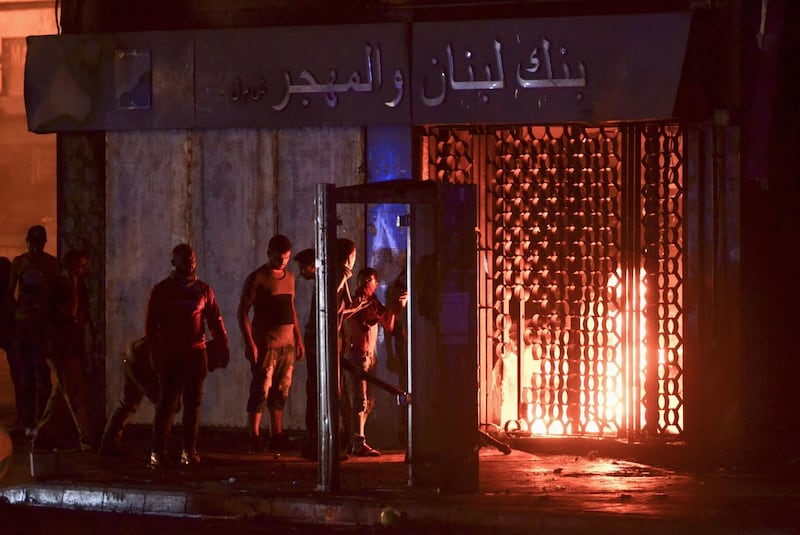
(581, 69)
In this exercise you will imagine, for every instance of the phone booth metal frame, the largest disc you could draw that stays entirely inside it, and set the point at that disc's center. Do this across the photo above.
(443, 432)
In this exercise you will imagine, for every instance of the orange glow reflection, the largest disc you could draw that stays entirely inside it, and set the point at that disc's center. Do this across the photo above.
(543, 406)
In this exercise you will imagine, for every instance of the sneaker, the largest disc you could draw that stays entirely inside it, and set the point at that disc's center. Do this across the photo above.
(189, 458)
(158, 461)
(364, 450)
(87, 444)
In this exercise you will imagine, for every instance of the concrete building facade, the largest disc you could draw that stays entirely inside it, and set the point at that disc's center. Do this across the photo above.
(692, 187)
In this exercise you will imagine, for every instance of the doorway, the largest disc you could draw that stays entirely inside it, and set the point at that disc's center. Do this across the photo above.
(580, 274)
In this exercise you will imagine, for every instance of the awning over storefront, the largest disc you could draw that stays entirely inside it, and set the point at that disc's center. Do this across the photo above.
(576, 69)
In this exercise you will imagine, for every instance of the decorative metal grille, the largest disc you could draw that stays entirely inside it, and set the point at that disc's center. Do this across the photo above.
(581, 298)
(662, 251)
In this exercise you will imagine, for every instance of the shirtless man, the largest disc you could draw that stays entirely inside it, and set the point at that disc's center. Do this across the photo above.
(361, 329)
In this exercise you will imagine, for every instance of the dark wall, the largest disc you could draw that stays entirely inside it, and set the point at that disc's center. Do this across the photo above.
(142, 15)
(81, 199)
(771, 237)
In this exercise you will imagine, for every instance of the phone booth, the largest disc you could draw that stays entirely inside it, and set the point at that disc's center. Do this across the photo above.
(442, 401)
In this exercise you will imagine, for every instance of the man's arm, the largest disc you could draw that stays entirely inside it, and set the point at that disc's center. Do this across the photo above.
(214, 318)
(67, 293)
(350, 306)
(300, 348)
(347, 305)
(243, 316)
(388, 317)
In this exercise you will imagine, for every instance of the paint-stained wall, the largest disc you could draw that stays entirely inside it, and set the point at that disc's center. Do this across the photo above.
(226, 192)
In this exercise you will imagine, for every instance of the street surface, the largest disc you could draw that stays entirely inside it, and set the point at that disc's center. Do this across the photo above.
(546, 487)
(27, 520)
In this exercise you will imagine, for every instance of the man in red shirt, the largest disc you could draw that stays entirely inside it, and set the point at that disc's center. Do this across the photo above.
(178, 311)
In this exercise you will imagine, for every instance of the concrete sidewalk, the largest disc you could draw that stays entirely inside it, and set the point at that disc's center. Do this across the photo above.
(522, 492)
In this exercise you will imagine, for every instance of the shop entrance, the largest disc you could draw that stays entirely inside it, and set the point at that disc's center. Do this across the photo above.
(580, 274)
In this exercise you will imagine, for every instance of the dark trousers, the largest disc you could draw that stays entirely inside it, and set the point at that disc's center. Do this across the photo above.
(312, 397)
(312, 394)
(69, 389)
(30, 373)
(311, 442)
(181, 376)
(67, 405)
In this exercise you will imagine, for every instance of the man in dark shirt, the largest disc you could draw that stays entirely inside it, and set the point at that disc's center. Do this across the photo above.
(32, 283)
(307, 268)
(68, 360)
(346, 258)
(178, 311)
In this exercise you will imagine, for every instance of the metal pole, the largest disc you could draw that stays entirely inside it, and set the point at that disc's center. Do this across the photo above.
(327, 339)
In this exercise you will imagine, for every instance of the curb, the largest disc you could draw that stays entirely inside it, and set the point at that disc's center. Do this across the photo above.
(338, 511)
(313, 509)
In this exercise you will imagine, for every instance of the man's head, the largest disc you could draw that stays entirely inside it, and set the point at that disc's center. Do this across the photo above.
(305, 261)
(36, 238)
(184, 261)
(367, 281)
(279, 251)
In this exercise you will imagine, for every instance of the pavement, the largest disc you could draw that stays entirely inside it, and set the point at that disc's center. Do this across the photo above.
(540, 487)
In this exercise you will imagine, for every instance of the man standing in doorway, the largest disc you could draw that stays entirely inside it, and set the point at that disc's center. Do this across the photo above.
(272, 341)
(32, 283)
(361, 330)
